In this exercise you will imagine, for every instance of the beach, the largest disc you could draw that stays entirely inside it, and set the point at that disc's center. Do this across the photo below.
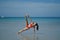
(49, 28)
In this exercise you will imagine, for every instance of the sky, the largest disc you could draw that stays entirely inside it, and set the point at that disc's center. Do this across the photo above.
(35, 8)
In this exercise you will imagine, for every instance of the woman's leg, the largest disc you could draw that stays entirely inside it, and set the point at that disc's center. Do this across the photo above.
(24, 29)
(26, 21)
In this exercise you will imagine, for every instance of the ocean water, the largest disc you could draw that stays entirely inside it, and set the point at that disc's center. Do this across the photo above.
(49, 28)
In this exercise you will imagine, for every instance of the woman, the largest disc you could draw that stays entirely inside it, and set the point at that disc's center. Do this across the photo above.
(28, 26)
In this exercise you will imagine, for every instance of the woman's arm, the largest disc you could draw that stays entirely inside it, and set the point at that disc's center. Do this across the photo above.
(30, 18)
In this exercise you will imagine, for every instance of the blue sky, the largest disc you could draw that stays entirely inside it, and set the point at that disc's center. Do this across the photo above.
(35, 8)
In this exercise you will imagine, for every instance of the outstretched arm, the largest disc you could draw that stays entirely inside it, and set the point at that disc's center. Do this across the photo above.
(30, 18)
(27, 16)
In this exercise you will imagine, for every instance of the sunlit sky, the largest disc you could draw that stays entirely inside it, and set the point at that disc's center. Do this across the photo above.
(35, 8)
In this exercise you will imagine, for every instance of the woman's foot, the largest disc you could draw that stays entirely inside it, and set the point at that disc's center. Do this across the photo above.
(19, 32)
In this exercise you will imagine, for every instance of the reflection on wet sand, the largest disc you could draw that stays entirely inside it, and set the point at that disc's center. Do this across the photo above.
(28, 37)
(35, 36)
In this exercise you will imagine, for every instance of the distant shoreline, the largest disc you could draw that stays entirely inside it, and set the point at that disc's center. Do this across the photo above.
(31, 17)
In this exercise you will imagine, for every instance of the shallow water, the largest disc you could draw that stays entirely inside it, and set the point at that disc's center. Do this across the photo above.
(49, 29)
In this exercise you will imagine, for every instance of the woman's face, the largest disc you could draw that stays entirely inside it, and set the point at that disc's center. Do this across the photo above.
(34, 23)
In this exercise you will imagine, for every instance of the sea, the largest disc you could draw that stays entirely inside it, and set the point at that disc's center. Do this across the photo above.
(49, 28)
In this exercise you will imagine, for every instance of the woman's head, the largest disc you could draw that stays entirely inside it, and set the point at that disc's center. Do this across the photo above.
(37, 26)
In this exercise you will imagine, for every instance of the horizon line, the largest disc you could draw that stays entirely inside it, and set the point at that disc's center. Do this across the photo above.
(3, 17)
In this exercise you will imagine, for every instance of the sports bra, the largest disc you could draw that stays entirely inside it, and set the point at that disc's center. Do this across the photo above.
(30, 25)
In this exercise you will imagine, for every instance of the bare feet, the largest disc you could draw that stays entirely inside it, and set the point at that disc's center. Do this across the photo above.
(19, 32)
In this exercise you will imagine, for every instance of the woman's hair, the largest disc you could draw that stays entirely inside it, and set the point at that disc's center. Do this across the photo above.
(37, 28)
